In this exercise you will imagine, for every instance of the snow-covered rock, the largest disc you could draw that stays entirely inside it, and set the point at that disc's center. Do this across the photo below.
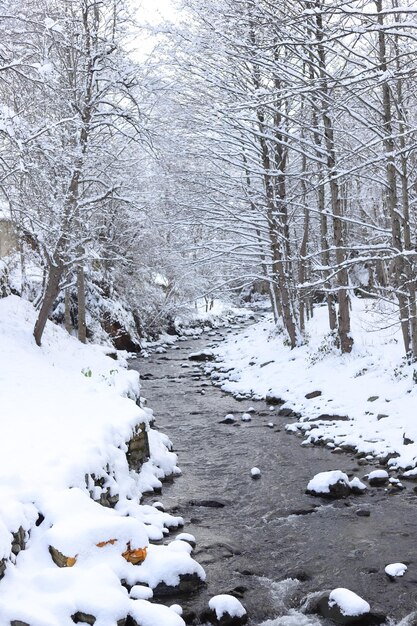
(246, 417)
(343, 606)
(332, 484)
(378, 478)
(255, 472)
(357, 486)
(228, 419)
(395, 569)
(226, 610)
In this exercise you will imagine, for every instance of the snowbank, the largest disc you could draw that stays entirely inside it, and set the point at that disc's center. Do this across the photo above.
(68, 412)
(371, 392)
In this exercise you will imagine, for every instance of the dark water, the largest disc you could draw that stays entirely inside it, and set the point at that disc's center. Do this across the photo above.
(270, 543)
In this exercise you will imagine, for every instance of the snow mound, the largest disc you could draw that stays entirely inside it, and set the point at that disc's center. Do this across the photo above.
(396, 569)
(348, 602)
(225, 604)
(322, 482)
(148, 614)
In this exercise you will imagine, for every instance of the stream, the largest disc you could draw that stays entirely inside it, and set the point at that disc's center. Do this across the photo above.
(266, 541)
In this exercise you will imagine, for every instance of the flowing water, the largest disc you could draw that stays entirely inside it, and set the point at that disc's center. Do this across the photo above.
(265, 540)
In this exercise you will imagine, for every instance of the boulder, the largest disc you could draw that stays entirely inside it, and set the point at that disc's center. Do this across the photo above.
(225, 610)
(345, 607)
(138, 448)
(378, 478)
(312, 394)
(333, 484)
(189, 583)
(201, 357)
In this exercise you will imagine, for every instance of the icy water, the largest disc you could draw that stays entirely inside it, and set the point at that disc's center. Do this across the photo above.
(265, 540)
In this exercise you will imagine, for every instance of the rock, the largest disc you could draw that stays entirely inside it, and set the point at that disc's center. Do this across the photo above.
(2, 567)
(246, 417)
(60, 559)
(211, 504)
(271, 399)
(373, 398)
(225, 610)
(286, 412)
(86, 618)
(312, 394)
(363, 513)
(228, 419)
(325, 417)
(202, 357)
(378, 478)
(381, 416)
(189, 583)
(385, 459)
(357, 487)
(345, 607)
(407, 441)
(17, 622)
(393, 570)
(333, 484)
(266, 363)
(188, 538)
(138, 448)
(255, 473)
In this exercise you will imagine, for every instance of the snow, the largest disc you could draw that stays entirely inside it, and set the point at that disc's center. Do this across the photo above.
(373, 385)
(357, 484)
(67, 412)
(378, 474)
(349, 603)
(255, 472)
(226, 604)
(321, 482)
(396, 569)
(246, 417)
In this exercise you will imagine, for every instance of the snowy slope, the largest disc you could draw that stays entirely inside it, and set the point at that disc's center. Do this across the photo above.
(373, 386)
(67, 411)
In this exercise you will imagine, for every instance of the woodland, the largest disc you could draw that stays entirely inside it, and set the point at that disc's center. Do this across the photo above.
(260, 147)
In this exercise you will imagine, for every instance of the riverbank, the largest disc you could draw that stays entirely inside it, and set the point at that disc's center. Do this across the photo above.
(363, 402)
(74, 448)
(266, 541)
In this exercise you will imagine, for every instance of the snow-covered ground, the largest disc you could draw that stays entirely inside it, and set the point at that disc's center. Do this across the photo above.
(67, 413)
(373, 386)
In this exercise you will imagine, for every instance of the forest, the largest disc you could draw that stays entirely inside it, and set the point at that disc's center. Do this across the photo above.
(260, 146)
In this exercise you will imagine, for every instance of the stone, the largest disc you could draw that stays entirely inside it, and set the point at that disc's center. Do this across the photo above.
(58, 558)
(201, 357)
(312, 394)
(229, 419)
(333, 613)
(381, 416)
(373, 398)
(363, 513)
(330, 418)
(378, 478)
(275, 400)
(189, 583)
(86, 618)
(2, 567)
(286, 412)
(407, 441)
(227, 602)
(18, 622)
(211, 504)
(138, 448)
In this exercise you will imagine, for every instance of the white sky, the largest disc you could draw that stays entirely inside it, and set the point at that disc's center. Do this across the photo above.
(156, 11)
(151, 13)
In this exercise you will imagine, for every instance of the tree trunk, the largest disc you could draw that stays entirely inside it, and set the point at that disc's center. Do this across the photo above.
(51, 292)
(82, 327)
